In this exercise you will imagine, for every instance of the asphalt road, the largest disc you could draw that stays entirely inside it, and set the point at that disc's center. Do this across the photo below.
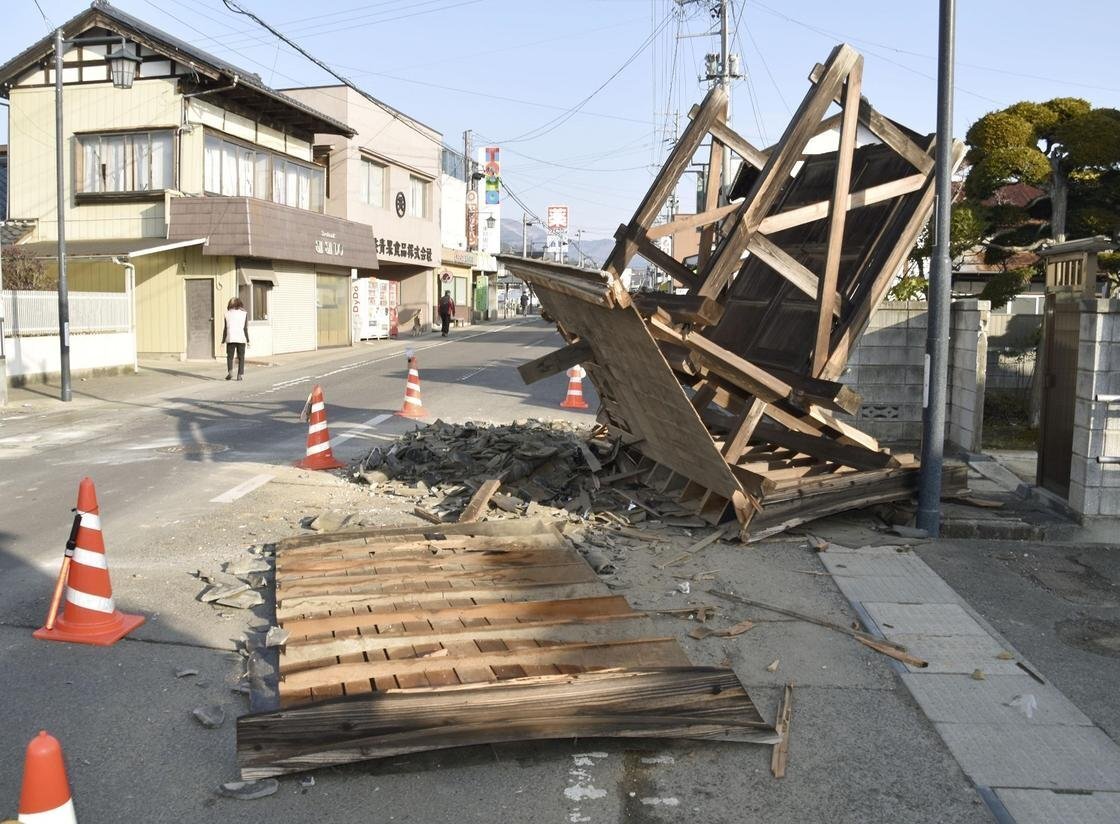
(861, 749)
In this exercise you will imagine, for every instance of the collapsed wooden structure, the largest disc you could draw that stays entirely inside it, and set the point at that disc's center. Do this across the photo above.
(727, 392)
(421, 638)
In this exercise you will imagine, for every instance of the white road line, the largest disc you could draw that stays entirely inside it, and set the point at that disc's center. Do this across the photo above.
(291, 382)
(470, 375)
(231, 495)
(538, 340)
(359, 429)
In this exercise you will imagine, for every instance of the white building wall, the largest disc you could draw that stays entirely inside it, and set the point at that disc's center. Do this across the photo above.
(453, 212)
(36, 356)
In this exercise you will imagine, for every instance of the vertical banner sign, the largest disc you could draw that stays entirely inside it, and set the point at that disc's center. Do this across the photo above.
(472, 220)
(492, 168)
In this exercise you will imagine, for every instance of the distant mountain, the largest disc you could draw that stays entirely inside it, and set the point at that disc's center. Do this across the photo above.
(596, 250)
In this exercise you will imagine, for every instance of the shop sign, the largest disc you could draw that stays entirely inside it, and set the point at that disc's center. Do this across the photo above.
(326, 244)
(472, 219)
(445, 277)
(408, 251)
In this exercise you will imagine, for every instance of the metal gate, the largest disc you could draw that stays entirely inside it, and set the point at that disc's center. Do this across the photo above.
(200, 318)
(1061, 331)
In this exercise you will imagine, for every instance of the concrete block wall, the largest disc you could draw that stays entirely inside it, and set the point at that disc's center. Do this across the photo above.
(968, 364)
(1094, 489)
(887, 369)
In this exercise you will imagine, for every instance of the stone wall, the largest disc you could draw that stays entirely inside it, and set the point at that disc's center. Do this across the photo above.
(887, 369)
(1094, 489)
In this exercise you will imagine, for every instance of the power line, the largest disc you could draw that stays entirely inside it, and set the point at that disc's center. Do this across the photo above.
(558, 121)
(50, 27)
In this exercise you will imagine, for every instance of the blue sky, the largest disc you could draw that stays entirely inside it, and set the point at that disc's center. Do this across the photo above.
(511, 70)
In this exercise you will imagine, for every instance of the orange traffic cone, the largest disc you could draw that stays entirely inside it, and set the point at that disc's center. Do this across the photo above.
(412, 407)
(574, 398)
(90, 616)
(319, 455)
(45, 796)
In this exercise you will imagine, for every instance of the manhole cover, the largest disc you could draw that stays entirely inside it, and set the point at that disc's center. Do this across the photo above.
(193, 449)
(1091, 634)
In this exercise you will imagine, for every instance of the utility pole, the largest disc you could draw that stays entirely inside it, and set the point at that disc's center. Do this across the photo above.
(579, 246)
(725, 83)
(525, 224)
(60, 205)
(937, 333)
(468, 154)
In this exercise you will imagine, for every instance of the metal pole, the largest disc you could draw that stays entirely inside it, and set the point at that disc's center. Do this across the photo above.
(524, 235)
(937, 333)
(63, 294)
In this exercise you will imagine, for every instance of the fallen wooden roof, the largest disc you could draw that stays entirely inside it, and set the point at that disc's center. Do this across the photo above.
(729, 390)
(410, 639)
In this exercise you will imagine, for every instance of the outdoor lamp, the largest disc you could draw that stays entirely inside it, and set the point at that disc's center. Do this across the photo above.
(123, 64)
(490, 222)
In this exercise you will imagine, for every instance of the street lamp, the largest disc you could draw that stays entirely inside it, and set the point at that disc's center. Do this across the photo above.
(123, 65)
(490, 222)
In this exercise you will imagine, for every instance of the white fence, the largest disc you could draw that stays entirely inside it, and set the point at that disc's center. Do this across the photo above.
(28, 314)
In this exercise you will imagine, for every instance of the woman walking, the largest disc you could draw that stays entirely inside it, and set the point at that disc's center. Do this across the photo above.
(235, 336)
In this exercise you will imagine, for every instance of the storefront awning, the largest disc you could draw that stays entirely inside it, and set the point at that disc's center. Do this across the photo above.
(252, 228)
(122, 247)
(258, 270)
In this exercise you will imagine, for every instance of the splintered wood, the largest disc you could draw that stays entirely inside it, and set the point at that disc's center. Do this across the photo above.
(727, 392)
(403, 640)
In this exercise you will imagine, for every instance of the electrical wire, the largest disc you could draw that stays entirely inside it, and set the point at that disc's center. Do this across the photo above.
(560, 120)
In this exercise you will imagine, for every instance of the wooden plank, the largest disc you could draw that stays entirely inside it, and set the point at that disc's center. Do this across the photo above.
(468, 612)
(824, 448)
(766, 189)
(712, 196)
(696, 221)
(828, 301)
(482, 497)
(509, 528)
(295, 654)
(713, 107)
(787, 266)
(691, 309)
(780, 755)
(739, 144)
(642, 652)
(556, 362)
(844, 428)
(801, 215)
(662, 259)
(728, 365)
(355, 571)
(886, 131)
(697, 702)
(744, 428)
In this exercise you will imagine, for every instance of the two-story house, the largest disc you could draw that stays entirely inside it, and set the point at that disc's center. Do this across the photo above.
(197, 184)
(386, 173)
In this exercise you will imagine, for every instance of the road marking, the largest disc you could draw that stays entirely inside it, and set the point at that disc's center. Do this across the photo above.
(538, 340)
(359, 428)
(291, 382)
(483, 368)
(231, 495)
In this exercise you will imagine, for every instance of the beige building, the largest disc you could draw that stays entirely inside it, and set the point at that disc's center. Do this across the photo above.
(195, 185)
(387, 175)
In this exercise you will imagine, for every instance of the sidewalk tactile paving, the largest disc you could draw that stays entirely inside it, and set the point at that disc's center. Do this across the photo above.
(889, 566)
(958, 654)
(1003, 755)
(1048, 807)
(958, 699)
(917, 588)
(923, 619)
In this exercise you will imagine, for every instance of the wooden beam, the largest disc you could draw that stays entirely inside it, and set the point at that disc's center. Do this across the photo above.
(885, 130)
(681, 308)
(744, 428)
(735, 141)
(711, 201)
(663, 260)
(766, 189)
(824, 448)
(828, 301)
(481, 498)
(726, 364)
(786, 265)
(683, 224)
(713, 108)
(838, 397)
(820, 210)
(556, 362)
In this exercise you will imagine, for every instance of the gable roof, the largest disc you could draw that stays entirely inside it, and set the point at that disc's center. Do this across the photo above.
(249, 90)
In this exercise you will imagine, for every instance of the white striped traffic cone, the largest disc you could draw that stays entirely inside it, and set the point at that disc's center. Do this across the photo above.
(319, 454)
(412, 407)
(574, 398)
(44, 797)
(90, 616)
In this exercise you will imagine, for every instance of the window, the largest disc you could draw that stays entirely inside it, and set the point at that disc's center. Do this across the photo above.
(136, 162)
(236, 170)
(418, 196)
(373, 183)
(255, 297)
